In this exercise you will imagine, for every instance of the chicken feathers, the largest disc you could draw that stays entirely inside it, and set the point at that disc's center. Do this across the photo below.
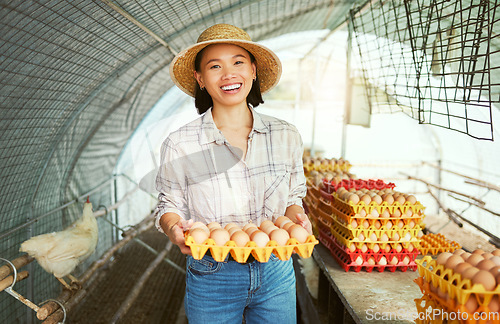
(60, 252)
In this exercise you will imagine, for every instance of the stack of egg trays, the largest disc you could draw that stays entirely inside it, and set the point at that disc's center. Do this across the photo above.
(459, 290)
(436, 243)
(347, 259)
(426, 305)
(261, 254)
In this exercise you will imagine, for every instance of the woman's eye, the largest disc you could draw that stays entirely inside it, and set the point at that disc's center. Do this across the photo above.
(215, 66)
(238, 62)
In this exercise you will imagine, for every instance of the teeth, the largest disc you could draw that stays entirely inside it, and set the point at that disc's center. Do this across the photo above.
(231, 87)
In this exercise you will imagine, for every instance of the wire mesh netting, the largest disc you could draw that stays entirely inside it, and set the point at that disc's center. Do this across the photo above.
(435, 59)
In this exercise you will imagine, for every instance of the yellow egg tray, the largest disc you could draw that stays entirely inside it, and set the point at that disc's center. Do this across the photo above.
(351, 209)
(261, 254)
(344, 167)
(437, 243)
(458, 289)
(425, 305)
(348, 218)
(347, 240)
(348, 231)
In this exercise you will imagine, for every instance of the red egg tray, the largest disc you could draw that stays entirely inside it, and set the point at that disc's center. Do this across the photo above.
(357, 184)
(347, 259)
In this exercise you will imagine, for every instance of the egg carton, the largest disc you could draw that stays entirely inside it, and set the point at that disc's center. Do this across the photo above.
(261, 254)
(349, 231)
(348, 260)
(437, 243)
(358, 184)
(344, 167)
(348, 217)
(458, 289)
(351, 209)
(347, 240)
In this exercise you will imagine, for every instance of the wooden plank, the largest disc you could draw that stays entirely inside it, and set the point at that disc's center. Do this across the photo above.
(370, 297)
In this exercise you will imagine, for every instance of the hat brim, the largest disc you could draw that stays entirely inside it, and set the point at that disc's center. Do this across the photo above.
(268, 64)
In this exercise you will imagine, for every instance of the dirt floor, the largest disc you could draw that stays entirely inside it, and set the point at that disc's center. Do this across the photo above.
(159, 301)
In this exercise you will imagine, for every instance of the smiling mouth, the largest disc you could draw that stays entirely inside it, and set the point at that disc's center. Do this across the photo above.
(231, 87)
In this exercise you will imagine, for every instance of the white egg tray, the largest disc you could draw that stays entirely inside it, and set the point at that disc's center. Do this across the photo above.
(261, 254)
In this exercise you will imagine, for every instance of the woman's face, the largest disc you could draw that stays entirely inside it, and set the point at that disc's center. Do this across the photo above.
(227, 73)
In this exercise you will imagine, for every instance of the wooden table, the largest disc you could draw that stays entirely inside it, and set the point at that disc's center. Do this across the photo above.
(365, 297)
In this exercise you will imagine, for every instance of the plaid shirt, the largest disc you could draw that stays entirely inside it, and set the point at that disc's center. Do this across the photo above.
(203, 177)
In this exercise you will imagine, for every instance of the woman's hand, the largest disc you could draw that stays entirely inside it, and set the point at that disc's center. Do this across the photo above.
(174, 228)
(304, 221)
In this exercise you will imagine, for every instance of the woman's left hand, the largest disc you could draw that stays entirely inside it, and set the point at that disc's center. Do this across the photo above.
(304, 221)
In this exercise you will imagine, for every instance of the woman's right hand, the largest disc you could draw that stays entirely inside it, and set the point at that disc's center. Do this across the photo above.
(176, 235)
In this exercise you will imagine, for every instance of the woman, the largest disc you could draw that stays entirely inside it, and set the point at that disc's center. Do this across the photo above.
(231, 165)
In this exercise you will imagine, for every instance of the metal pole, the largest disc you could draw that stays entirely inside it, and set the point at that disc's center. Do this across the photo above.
(348, 92)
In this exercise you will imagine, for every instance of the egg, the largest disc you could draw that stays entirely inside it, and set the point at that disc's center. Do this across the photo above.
(371, 261)
(469, 272)
(377, 224)
(375, 248)
(354, 198)
(366, 223)
(373, 237)
(496, 260)
(213, 225)
(364, 248)
(234, 229)
(352, 247)
(229, 226)
(398, 248)
(366, 199)
(280, 220)
(385, 214)
(354, 223)
(411, 199)
(287, 225)
(265, 224)
(250, 230)
(453, 261)
(396, 213)
(247, 226)
(474, 259)
(496, 252)
(471, 304)
(388, 198)
(199, 235)
(494, 304)
(487, 255)
(388, 225)
(280, 236)
(461, 267)
(458, 252)
(485, 264)
(359, 260)
(220, 236)
(200, 225)
(393, 261)
(382, 261)
(384, 238)
(269, 229)
(484, 278)
(443, 257)
(298, 232)
(240, 238)
(260, 238)
(400, 199)
(478, 251)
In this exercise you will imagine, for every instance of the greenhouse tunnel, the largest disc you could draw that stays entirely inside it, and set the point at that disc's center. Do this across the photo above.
(405, 91)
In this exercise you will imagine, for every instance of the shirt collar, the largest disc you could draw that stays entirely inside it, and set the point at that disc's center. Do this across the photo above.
(210, 133)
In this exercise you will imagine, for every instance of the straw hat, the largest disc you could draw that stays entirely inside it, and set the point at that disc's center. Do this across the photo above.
(182, 66)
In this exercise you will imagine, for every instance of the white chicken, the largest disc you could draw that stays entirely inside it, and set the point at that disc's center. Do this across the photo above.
(60, 252)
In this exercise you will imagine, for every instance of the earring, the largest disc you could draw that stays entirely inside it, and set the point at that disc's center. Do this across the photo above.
(202, 88)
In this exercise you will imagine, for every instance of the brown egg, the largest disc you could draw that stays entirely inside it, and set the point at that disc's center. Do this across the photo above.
(298, 232)
(400, 199)
(269, 229)
(213, 225)
(376, 198)
(496, 260)
(443, 257)
(374, 213)
(371, 260)
(352, 247)
(364, 248)
(233, 229)
(478, 251)
(354, 223)
(260, 238)
(496, 252)
(287, 226)
(366, 199)
(411, 199)
(465, 255)
(373, 237)
(220, 236)
(388, 225)
(382, 261)
(474, 259)
(487, 255)
(494, 304)
(458, 252)
(470, 272)
(200, 225)
(359, 260)
(375, 248)
(484, 278)
(406, 260)
(396, 213)
(410, 247)
(354, 198)
(265, 224)
(247, 226)
(385, 213)
(384, 238)
(250, 230)
(398, 248)
(460, 268)
(388, 198)
(453, 261)
(280, 220)
(199, 235)
(485, 264)
(240, 238)
(471, 304)
(229, 226)
(393, 261)
(280, 236)
(377, 224)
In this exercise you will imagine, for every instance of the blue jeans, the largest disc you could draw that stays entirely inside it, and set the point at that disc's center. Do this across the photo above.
(224, 292)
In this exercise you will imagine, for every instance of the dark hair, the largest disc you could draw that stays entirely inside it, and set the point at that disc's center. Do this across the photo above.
(203, 101)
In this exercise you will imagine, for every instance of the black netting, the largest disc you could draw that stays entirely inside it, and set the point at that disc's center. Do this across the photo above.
(435, 59)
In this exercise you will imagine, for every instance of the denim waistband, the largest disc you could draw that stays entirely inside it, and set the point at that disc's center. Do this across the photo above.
(230, 257)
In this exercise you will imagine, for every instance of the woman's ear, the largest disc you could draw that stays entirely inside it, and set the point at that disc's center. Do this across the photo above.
(254, 70)
(198, 78)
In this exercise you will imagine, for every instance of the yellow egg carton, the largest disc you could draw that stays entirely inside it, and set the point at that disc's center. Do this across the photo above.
(346, 240)
(351, 209)
(349, 231)
(437, 243)
(261, 254)
(348, 218)
(443, 278)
